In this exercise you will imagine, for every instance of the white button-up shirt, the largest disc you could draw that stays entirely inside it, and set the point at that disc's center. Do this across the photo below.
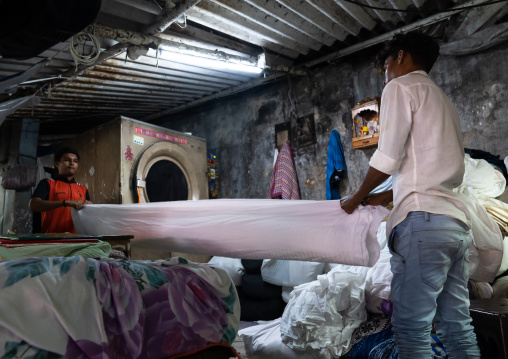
(420, 145)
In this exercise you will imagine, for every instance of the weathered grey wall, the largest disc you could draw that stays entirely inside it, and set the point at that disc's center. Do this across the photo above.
(478, 85)
(240, 129)
(18, 144)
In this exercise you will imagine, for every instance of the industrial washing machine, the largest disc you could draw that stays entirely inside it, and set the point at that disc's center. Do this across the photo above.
(129, 161)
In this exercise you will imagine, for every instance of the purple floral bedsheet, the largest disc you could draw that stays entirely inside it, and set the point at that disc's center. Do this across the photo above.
(73, 307)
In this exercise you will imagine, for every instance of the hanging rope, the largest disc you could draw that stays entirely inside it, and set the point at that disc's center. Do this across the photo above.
(77, 49)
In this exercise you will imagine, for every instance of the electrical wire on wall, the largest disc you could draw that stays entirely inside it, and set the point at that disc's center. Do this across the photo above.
(356, 2)
(77, 49)
(293, 109)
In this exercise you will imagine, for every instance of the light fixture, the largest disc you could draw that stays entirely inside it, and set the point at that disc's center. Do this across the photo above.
(211, 62)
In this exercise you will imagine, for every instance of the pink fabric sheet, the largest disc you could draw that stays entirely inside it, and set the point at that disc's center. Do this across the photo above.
(318, 231)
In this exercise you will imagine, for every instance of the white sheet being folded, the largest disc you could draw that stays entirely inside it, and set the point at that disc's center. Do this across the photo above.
(318, 231)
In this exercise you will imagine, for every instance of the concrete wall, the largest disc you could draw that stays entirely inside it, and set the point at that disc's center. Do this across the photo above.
(240, 129)
(18, 144)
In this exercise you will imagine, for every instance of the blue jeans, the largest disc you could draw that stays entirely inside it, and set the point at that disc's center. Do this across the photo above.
(430, 274)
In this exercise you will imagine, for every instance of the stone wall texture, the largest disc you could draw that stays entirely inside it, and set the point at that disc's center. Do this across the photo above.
(240, 129)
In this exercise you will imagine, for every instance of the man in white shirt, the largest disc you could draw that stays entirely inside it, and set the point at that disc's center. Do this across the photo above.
(420, 145)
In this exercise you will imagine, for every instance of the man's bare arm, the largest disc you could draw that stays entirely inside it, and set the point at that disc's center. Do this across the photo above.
(379, 199)
(372, 179)
(39, 205)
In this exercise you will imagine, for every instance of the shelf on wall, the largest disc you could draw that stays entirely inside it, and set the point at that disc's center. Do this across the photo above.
(368, 140)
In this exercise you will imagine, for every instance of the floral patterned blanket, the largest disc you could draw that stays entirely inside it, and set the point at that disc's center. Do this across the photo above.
(74, 307)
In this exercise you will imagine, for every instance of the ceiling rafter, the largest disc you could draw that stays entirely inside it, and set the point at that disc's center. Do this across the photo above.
(147, 63)
(292, 19)
(305, 32)
(313, 16)
(260, 18)
(336, 14)
(357, 13)
(344, 52)
(379, 39)
(384, 16)
(136, 38)
(211, 17)
(399, 5)
(475, 20)
(169, 17)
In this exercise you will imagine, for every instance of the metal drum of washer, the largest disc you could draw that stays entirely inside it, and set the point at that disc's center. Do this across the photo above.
(165, 173)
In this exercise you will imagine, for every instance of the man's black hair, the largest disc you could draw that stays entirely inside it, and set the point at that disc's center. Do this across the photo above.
(64, 150)
(423, 49)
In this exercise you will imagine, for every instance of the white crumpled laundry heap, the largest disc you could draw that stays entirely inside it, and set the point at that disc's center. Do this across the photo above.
(321, 315)
(481, 184)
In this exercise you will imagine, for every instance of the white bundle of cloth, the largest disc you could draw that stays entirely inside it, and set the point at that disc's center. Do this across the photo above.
(318, 231)
(486, 251)
(483, 177)
(321, 315)
(497, 209)
(290, 273)
(481, 183)
(263, 341)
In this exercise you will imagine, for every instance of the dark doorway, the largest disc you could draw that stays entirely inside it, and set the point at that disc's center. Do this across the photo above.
(165, 181)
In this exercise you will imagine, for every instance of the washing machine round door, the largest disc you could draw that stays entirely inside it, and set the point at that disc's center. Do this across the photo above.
(164, 173)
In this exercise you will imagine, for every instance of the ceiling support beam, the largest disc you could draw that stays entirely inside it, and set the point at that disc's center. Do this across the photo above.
(170, 17)
(475, 20)
(103, 56)
(136, 38)
(228, 92)
(357, 13)
(150, 7)
(126, 38)
(347, 51)
(164, 21)
(387, 36)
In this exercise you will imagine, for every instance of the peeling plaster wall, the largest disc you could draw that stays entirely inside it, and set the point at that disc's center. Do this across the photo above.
(240, 129)
(478, 85)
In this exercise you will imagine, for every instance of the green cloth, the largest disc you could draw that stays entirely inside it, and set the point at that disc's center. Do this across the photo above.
(43, 236)
(86, 250)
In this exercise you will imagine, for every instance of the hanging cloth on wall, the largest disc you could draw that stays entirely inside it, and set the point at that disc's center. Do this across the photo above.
(283, 272)
(284, 183)
(335, 166)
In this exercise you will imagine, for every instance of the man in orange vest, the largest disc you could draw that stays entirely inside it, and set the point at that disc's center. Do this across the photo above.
(53, 199)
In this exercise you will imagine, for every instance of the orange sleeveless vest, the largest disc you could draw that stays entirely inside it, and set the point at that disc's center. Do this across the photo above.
(59, 220)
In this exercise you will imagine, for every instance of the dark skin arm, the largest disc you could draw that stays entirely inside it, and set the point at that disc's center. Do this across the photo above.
(372, 179)
(379, 199)
(39, 205)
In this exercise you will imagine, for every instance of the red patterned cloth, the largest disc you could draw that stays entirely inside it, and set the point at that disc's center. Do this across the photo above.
(284, 183)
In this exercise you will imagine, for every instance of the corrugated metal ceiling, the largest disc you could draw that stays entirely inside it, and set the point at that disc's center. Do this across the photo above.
(291, 33)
